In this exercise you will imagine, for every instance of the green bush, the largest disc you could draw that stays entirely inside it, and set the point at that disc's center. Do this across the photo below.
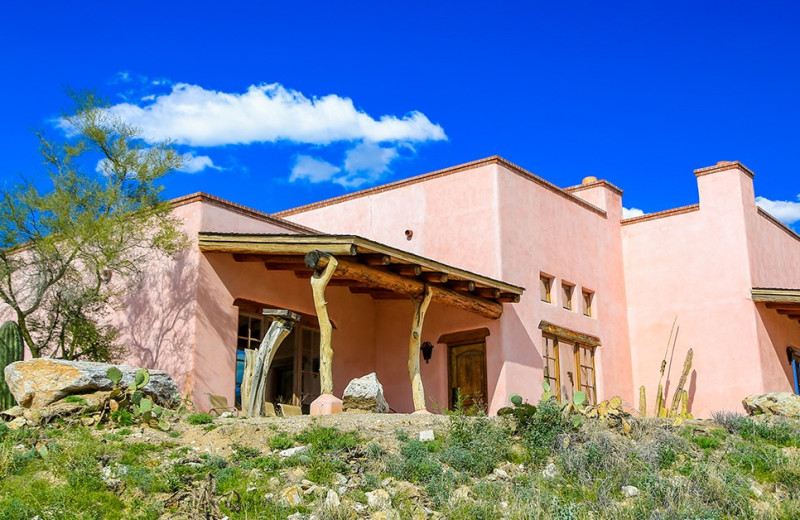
(199, 418)
(475, 444)
(281, 441)
(542, 428)
(416, 463)
(324, 439)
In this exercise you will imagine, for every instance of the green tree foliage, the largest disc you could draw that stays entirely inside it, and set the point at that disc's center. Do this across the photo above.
(73, 243)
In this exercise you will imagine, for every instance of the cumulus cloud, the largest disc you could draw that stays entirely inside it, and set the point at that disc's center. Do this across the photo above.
(364, 163)
(197, 163)
(195, 116)
(786, 211)
(313, 170)
(631, 212)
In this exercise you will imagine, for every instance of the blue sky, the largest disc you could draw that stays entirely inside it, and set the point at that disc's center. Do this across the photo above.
(279, 105)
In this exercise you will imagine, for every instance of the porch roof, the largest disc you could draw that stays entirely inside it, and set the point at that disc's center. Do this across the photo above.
(784, 301)
(368, 267)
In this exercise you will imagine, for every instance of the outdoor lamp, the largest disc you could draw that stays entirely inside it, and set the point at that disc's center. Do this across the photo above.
(427, 350)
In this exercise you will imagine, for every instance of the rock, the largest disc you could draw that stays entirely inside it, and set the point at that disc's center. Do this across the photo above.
(755, 491)
(293, 451)
(785, 404)
(17, 423)
(426, 435)
(378, 500)
(37, 383)
(296, 516)
(550, 471)
(501, 474)
(630, 491)
(385, 515)
(365, 393)
(332, 500)
(292, 495)
(462, 493)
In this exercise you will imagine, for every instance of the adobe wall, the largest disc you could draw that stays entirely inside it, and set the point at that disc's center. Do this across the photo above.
(544, 231)
(693, 266)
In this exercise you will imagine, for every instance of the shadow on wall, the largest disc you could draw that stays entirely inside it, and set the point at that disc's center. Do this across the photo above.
(157, 325)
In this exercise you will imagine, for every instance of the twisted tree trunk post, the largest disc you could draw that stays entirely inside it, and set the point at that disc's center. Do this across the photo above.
(417, 389)
(326, 403)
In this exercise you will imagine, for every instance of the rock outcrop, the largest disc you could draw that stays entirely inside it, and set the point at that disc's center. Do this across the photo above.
(365, 393)
(37, 383)
(784, 404)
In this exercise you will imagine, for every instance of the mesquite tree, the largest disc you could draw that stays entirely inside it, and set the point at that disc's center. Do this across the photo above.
(74, 241)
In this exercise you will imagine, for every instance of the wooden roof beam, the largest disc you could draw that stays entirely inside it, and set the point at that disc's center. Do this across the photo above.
(408, 286)
(435, 277)
(406, 269)
(462, 285)
(375, 259)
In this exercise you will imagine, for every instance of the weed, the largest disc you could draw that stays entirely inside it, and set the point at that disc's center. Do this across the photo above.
(324, 439)
(243, 453)
(281, 441)
(199, 418)
(76, 399)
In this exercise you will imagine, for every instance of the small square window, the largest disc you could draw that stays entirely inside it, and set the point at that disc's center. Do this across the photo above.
(588, 300)
(566, 295)
(545, 286)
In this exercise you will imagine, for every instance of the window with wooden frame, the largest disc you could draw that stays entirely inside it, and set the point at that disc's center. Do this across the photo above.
(294, 372)
(567, 290)
(568, 359)
(588, 301)
(545, 287)
(550, 357)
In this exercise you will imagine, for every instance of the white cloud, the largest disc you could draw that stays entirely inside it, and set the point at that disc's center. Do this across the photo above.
(364, 163)
(786, 211)
(313, 170)
(192, 115)
(631, 212)
(196, 163)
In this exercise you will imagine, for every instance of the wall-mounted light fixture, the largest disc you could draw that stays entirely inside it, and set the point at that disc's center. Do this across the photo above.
(427, 350)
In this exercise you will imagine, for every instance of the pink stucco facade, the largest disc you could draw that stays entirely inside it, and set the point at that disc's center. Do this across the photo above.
(695, 266)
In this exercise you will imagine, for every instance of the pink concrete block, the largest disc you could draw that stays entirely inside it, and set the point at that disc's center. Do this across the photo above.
(326, 404)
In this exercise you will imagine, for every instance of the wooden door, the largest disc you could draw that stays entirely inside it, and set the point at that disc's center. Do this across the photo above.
(467, 372)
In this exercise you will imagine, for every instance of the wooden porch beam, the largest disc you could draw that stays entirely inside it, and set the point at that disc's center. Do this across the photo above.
(435, 277)
(376, 259)
(462, 285)
(409, 286)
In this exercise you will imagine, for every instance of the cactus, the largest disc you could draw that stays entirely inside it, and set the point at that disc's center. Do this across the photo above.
(676, 399)
(642, 402)
(115, 375)
(660, 410)
(10, 351)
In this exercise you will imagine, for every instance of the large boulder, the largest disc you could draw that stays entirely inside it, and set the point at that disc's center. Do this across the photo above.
(37, 383)
(784, 404)
(365, 393)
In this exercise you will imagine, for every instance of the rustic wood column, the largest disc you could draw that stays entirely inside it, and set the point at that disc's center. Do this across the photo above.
(319, 281)
(417, 389)
(282, 324)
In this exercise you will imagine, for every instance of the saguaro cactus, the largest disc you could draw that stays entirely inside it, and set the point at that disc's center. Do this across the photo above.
(10, 351)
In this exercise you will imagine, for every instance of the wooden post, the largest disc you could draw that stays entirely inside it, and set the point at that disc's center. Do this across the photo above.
(282, 324)
(417, 389)
(326, 403)
(318, 283)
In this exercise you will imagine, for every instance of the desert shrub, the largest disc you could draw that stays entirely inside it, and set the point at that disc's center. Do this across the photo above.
(777, 431)
(475, 444)
(759, 459)
(244, 453)
(543, 427)
(326, 439)
(199, 418)
(727, 420)
(281, 441)
(416, 463)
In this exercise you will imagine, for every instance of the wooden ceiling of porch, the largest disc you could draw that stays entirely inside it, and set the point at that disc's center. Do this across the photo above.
(784, 301)
(391, 273)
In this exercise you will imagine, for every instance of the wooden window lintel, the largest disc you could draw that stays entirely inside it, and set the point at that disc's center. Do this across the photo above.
(569, 335)
(464, 336)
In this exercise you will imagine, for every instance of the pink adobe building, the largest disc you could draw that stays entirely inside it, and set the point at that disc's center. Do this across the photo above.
(601, 292)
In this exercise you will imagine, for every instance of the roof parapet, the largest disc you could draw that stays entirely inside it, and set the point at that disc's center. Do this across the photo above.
(722, 166)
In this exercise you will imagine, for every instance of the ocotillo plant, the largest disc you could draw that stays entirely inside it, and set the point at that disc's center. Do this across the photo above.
(10, 351)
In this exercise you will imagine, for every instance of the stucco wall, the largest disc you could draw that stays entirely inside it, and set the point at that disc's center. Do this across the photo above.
(694, 268)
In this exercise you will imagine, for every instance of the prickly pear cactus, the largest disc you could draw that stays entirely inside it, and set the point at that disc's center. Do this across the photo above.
(10, 351)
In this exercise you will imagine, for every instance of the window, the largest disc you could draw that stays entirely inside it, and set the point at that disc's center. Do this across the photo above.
(568, 362)
(545, 284)
(794, 361)
(294, 373)
(566, 295)
(588, 298)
